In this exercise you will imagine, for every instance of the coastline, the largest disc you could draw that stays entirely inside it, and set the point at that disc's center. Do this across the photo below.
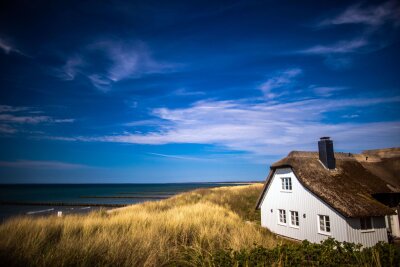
(47, 200)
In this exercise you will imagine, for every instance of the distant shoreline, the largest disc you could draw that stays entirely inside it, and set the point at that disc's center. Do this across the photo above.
(119, 196)
(178, 183)
(59, 204)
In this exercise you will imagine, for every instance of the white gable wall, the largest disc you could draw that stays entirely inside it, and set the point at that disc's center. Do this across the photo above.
(306, 203)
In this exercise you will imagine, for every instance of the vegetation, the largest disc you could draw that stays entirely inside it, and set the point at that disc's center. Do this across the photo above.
(148, 234)
(205, 227)
(328, 253)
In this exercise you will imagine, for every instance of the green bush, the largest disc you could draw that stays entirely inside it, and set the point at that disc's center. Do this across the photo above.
(329, 253)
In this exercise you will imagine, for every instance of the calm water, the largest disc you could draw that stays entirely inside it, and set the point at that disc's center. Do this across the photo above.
(84, 194)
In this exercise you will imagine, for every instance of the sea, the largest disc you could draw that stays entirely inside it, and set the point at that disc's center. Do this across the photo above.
(62, 199)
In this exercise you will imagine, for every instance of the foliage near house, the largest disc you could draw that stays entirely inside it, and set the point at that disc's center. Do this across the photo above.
(205, 227)
(329, 253)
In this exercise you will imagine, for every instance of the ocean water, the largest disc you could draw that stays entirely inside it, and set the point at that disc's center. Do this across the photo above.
(48, 199)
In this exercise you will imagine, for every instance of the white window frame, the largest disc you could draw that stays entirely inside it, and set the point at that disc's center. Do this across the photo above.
(372, 229)
(326, 219)
(286, 184)
(284, 217)
(293, 215)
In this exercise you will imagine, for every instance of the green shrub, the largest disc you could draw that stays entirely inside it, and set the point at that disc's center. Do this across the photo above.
(329, 253)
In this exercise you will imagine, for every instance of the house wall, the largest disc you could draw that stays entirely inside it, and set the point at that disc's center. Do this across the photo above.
(307, 204)
(393, 223)
(370, 237)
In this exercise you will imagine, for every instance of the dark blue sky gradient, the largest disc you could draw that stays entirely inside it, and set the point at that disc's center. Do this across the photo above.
(178, 91)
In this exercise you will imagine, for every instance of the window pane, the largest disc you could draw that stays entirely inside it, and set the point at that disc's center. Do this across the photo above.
(369, 223)
(282, 216)
(286, 183)
(324, 223)
(294, 218)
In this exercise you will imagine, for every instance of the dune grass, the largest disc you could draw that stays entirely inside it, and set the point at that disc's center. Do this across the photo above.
(147, 234)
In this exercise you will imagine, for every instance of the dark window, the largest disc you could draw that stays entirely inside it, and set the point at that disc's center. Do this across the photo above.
(366, 223)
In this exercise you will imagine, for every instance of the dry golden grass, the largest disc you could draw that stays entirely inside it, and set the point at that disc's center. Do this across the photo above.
(147, 234)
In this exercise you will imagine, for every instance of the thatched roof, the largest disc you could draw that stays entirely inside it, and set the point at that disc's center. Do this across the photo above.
(348, 189)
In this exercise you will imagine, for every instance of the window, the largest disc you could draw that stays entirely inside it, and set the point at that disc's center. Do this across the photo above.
(294, 218)
(324, 224)
(286, 183)
(282, 216)
(366, 223)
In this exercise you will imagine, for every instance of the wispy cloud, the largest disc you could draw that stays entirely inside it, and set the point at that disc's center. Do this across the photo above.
(71, 68)
(152, 122)
(350, 116)
(282, 79)
(12, 118)
(326, 91)
(23, 119)
(377, 21)
(34, 164)
(127, 60)
(185, 92)
(368, 15)
(6, 108)
(176, 156)
(7, 129)
(8, 47)
(341, 47)
(261, 128)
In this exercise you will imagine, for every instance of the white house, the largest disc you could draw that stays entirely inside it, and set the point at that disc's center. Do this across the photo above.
(316, 195)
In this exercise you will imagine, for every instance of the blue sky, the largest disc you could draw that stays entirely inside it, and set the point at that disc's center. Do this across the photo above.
(190, 91)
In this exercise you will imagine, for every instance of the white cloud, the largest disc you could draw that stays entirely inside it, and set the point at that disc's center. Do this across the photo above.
(262, 128)
(127, 60)
(350, 116)
(153, 122)
(371, 15)
(71, 68)
(185, 92)
(33, 164)
(327, 91)
(14, 118)
(8, 47)
(101, 82)
(63, 120)
(6, 108)
(280, 80)
(180, 157)
(23, 119)
(371, 38)
(341, 47)
(7, 129)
